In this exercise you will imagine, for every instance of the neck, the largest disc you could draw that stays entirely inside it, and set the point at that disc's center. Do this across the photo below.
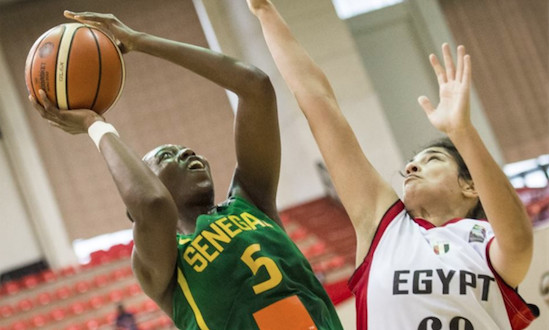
(438, 215)
(188, 215)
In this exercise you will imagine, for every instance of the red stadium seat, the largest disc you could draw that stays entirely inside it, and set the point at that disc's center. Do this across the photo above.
(63, 292)
(39, 321)
(118, 274)
(67, 271)
(110, 318)
(100, 280)
(115, 295)
(99, 257)
(81, 287)
(78, 308)
(12, 288)
(24, 305)
(286, 219)
(74, 327)
(336, 262)
(6, 311)
(30, 281)
(164, 322)
(147, 325)
(119, 251)
(149, 306)
(18, 325)
(314, 250)
(133, 289)
(96, 302)
(44, 298)
(57, 314)
(91, 324)
(298, 234)
(128, 271)
(48, 276)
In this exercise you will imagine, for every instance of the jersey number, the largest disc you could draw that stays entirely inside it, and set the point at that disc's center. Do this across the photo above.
(275, 276)
(457, 323)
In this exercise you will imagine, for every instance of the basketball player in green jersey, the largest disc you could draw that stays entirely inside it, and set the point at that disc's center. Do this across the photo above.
(228, 266)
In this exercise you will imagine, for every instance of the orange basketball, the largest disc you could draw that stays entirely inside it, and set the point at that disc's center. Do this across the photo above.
(78, 66)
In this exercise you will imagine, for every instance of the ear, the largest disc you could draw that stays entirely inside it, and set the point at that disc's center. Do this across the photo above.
(468, 188)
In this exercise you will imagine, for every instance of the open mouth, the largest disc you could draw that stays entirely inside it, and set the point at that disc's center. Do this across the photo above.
(195, 165)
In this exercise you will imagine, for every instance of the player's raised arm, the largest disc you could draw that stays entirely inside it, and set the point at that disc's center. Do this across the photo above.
(256, 127)
(365, 195)
(511, 251)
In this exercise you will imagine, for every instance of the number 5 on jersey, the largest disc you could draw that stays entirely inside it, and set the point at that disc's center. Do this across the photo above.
(275, 276)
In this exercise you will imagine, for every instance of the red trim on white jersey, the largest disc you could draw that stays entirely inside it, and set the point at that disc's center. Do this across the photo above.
(358, 283)
(520, 314)
(402, 236)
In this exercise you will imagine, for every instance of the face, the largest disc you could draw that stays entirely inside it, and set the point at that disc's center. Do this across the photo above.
(431, 176)
(186, 175)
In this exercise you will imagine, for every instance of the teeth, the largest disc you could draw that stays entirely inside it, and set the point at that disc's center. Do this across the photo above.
(195, 164)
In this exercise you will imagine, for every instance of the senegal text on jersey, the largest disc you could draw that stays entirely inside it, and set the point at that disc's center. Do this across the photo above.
(197, 254)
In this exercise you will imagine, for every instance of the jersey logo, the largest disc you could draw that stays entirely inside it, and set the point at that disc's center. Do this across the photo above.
(440, 248)
(477, 234)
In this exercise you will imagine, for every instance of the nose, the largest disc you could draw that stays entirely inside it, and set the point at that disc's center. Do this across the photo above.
(412, 167)
(184, 153)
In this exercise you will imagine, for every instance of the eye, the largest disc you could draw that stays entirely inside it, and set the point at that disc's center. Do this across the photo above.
(164, 155)
(433, 158)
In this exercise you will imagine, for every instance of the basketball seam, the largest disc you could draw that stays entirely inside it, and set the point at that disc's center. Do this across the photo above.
(67, 67)
(100, 68)
(56, 63)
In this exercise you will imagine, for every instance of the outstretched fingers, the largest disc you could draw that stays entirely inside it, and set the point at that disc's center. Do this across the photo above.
(426, 104)
(448, 62)
(460, 64)
(466, 79)
(439, 70)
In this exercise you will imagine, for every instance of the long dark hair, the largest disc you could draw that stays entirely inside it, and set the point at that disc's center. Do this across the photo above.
(445, 143)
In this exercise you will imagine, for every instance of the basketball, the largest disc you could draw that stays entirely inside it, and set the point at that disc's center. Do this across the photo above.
(78, 66)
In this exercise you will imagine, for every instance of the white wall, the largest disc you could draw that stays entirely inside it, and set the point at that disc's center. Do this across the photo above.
(394, 44)
(40, 208)
(18, 246)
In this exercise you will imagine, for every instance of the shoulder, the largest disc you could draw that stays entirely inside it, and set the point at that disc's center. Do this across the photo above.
(267, 207)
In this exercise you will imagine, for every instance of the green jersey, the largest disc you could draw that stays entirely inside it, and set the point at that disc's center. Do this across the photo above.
(240, 270)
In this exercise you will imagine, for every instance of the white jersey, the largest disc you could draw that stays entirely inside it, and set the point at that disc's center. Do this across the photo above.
(419, 276)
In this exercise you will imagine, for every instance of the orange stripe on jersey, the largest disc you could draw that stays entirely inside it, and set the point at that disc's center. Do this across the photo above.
(288, 313)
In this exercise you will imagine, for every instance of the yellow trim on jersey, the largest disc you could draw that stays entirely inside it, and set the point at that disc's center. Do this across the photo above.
(184, 240)
(188, 295)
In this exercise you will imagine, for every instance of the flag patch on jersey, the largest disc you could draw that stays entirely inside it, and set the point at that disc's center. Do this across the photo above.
(440, 247)
(477, 234)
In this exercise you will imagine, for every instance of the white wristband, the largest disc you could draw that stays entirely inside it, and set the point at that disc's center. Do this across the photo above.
(98, 129)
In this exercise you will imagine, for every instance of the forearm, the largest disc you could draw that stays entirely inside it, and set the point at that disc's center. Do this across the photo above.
(220, 69)
(502, 205)
(302, 75)
(142, 192)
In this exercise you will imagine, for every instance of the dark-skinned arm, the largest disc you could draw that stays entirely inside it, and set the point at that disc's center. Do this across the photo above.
(150, 204)
(257, 137)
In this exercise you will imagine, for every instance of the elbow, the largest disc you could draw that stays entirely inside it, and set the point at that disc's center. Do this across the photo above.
(153, 206)
(261, 83)
(258, 84)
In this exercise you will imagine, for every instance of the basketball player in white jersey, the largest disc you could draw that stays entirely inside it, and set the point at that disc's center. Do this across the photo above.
(428, 261)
